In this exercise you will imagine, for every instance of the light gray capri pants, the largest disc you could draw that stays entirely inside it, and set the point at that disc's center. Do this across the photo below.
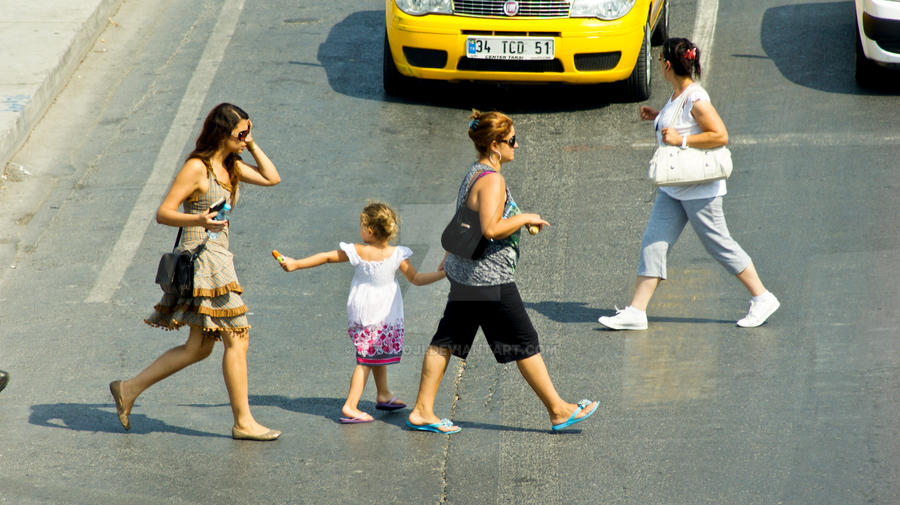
(667, 220)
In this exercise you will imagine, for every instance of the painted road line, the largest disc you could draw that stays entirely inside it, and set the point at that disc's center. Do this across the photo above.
(168, 158)
(705, 31)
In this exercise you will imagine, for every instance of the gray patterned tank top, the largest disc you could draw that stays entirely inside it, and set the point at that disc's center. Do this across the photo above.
(498, 266)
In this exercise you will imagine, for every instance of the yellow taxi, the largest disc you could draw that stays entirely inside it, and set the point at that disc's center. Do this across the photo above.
(520, 41)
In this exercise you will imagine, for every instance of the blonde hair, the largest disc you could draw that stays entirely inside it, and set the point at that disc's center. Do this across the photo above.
(488, 127)
(381, 219)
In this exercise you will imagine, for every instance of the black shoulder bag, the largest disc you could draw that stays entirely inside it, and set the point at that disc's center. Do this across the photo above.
(463, 236)
(175, 273)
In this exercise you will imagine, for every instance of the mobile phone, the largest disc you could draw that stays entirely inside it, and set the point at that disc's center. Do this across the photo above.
(216, 207)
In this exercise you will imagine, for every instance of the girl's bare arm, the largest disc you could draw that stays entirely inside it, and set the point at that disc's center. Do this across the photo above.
(336, 256)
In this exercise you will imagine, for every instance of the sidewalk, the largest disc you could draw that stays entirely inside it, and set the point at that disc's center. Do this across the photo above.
(42, 42)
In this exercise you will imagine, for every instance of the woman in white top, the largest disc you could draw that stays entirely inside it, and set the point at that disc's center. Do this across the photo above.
(696, 125)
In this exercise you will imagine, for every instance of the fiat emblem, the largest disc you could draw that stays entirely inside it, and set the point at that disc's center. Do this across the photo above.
(511, 8)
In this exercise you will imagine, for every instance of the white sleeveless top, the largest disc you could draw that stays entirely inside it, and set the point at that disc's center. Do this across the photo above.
(375, 296)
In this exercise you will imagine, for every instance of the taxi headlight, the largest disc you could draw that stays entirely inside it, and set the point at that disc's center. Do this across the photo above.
(422, 7)
(602, 9)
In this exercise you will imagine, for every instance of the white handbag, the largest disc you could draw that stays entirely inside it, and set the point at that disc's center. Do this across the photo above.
(677, 166)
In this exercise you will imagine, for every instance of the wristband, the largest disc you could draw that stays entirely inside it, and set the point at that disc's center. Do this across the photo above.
(684, 142)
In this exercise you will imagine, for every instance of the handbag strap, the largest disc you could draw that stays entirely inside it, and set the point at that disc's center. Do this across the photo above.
(472, 183)
(682, 99)
(177, 239)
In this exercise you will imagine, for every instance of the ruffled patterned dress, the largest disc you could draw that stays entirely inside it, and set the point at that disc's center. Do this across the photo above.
(216, 304)
(375, 307)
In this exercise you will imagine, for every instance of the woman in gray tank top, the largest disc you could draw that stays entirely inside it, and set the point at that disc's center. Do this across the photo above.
(483, 292)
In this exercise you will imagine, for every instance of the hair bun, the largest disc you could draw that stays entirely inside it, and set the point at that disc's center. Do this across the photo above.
(474, 119)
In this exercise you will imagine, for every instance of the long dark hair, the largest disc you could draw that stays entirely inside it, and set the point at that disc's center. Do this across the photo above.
(216, 129)
(683, 55)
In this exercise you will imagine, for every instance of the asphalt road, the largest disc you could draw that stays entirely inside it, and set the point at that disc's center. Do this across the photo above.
(693, 411)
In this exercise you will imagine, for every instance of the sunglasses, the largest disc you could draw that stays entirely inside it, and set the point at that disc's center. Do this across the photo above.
(511, 141)
(242, 135)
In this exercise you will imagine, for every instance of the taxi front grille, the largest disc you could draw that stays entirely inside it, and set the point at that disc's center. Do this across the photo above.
(527, 8)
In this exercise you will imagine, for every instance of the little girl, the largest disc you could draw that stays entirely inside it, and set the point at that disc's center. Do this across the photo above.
(375, 306)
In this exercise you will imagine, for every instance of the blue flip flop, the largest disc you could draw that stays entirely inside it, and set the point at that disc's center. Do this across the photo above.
(435, 427)
(572, 420)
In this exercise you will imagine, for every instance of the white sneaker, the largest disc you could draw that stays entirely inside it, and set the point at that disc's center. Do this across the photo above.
(760, 311)
(628, 318)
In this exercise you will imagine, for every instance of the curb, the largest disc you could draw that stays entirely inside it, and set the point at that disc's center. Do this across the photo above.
(22, 109)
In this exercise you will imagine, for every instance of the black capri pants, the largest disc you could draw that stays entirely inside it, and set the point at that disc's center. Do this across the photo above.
(498, 311)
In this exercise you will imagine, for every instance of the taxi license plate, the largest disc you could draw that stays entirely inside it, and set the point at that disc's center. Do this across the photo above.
(510, 48)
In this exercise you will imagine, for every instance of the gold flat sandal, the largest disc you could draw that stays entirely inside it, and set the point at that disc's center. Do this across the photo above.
(115, 387)
(264, 437)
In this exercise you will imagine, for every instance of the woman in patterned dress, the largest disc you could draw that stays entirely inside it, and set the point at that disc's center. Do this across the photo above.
(215, 311)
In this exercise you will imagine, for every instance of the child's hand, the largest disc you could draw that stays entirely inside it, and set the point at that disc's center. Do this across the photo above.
(287, 264)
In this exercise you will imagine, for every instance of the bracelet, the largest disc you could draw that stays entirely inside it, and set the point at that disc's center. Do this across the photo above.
(684, 142)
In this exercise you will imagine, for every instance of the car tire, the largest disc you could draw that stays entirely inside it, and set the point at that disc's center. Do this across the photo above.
(661, 32)
(866, 70)
(395, 83)
(637, 87)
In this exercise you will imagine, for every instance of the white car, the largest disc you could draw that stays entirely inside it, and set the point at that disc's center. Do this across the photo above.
(877, 38)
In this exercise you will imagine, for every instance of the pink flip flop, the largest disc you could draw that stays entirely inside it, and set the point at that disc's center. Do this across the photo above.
(391, 405)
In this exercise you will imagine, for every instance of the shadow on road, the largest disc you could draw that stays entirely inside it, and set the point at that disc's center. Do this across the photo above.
(328, 408)
(666, 319)
(352, 57)
(814, 45)
(466, 425)
(102, 418)
(565, 312)
(580, 312)
(689, 320)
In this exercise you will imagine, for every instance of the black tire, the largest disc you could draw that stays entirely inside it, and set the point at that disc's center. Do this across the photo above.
(866, 70)
(661, 32)
(395, 83)
(637, 87)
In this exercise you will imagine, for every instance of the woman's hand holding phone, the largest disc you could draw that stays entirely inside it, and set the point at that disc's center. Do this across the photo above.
(209, 220)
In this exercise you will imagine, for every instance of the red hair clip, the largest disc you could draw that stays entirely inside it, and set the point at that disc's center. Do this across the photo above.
(691, 54)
